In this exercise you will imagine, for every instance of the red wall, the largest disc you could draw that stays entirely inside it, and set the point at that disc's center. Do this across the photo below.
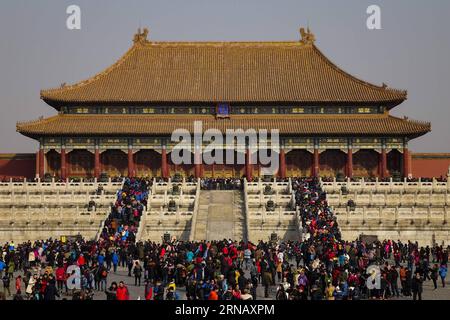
(430, 165)
(17, 165)
(425, 165)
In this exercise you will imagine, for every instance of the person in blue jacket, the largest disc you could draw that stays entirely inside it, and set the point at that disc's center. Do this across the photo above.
(2, 267)
(443, 274)
(101, 259)
(189, 256)
(115, 261)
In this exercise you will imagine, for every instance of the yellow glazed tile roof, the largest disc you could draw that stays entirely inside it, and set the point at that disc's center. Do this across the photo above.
(223, 72)
(166, 124)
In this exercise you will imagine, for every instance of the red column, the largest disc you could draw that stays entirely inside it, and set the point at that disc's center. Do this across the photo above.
(41, 163)
(248, 166)
(97, 163)
(316, 163)
(164, 166)
(130, 163)
(198, 164)
(37, 165)
(383, 163)
(282, 172)
(406, 169)
(198, 170)
(350, 163)
(410, 171)
(63, 164)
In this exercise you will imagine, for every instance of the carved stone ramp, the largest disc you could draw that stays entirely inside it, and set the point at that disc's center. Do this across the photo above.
(220, 216)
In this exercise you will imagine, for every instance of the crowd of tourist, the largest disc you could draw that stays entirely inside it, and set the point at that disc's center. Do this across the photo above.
(221, 184)
(320, 266)
(338, 269)
(123, 221)
(221, 270)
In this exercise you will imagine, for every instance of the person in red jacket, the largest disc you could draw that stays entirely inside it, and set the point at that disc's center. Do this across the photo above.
(163, 253)
(233, 252)
(18, 285)
(60, 277)
(148, 290)
(213, 295)
(81, 260)
(122, 292)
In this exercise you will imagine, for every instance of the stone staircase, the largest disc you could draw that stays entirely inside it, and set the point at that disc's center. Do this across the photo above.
(220, 216)
(202, 216)
(140, 224)
(240, 232)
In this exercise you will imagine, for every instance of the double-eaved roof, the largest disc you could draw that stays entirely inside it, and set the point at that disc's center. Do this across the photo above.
(291, 73)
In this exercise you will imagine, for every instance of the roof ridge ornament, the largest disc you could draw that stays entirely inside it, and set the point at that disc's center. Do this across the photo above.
(141, 36)
(307, 36)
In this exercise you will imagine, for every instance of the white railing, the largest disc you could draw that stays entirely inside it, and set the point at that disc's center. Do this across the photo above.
(299, 224)
(54, 186)
(278, 213)
(398, 214)
(195, 213)
(293, 201)
(162, 201)
(246, 212)
(153, 191)
(142, 225)
(281, 216)
(384, 199)
(14, 211)
(387, 186)
(166, 214)
(284, 187)
(164, 187)
(50, 214)
(55, 199)
(100, 230)
(261, 199)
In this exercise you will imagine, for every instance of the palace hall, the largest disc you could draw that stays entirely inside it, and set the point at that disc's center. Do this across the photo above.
(120, 121)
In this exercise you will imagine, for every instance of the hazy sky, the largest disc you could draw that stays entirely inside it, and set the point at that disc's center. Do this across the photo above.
(411, 52)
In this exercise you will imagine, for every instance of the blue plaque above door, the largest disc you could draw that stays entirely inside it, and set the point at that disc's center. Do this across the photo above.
(223, 110)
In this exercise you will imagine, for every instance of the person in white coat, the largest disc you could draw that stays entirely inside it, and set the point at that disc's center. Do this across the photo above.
(31, 259)
(31, 284)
